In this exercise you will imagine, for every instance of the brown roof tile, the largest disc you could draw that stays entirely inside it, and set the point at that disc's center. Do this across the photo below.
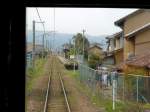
(29, 47)
(140, 60)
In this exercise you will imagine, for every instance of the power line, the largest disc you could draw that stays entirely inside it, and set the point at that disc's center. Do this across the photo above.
(40, 19)
(43, 28)
(54, 29)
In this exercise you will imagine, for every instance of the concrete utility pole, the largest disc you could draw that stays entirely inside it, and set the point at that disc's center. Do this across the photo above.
(48, 45)
(83, 44)
(33, 49)
(74, 55)
(43, 46)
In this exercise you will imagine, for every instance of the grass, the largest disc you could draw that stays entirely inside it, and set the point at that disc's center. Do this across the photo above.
(72, 73)
(32, 74)
(146, 106)
(100, 101)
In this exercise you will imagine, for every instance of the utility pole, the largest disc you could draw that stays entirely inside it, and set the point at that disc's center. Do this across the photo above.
(43, 46)
(83, 44)
(46, 47)
(33, 50)
(74, 55)
(46, 44)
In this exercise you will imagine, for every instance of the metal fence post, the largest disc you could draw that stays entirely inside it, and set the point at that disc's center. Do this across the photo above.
(93, 83)
(137, 84)
(114, 87)
(123, 88)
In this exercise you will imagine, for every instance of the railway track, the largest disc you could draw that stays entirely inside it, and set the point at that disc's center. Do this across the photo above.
(56, 98)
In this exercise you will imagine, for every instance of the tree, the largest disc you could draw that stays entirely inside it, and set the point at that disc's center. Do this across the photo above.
(78, 38)
(94, 60)
(71, 51)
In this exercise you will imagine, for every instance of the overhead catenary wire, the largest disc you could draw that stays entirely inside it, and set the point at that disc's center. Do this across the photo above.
(40, 19)
(54, 29)
(43, 28)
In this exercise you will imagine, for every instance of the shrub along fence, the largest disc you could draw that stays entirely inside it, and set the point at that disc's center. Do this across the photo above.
(124, 88)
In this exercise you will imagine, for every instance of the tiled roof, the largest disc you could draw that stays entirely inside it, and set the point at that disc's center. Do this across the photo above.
(38, 47)
(140, 60)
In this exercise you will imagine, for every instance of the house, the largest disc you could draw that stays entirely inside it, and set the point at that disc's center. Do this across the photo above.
(29, 55)
(29, 52)
(114, 53)
(136, 32)
(95, 49)
(109, 55)
(38, 49)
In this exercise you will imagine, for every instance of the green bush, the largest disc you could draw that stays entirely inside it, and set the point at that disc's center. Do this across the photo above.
(93, 60)
(33, 73)
(70, 66)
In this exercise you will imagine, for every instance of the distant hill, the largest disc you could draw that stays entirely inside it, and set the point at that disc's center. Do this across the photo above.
(61, 38)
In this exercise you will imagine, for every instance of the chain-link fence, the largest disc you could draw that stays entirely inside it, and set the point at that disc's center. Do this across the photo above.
(134, 88)
(120, 87)
(28, 60)
(95, 82)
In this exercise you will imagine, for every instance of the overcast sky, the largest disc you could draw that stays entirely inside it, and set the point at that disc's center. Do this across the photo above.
(96, 21)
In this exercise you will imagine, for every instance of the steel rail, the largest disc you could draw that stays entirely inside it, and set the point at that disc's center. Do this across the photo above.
(47, 94)
(66, 99)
